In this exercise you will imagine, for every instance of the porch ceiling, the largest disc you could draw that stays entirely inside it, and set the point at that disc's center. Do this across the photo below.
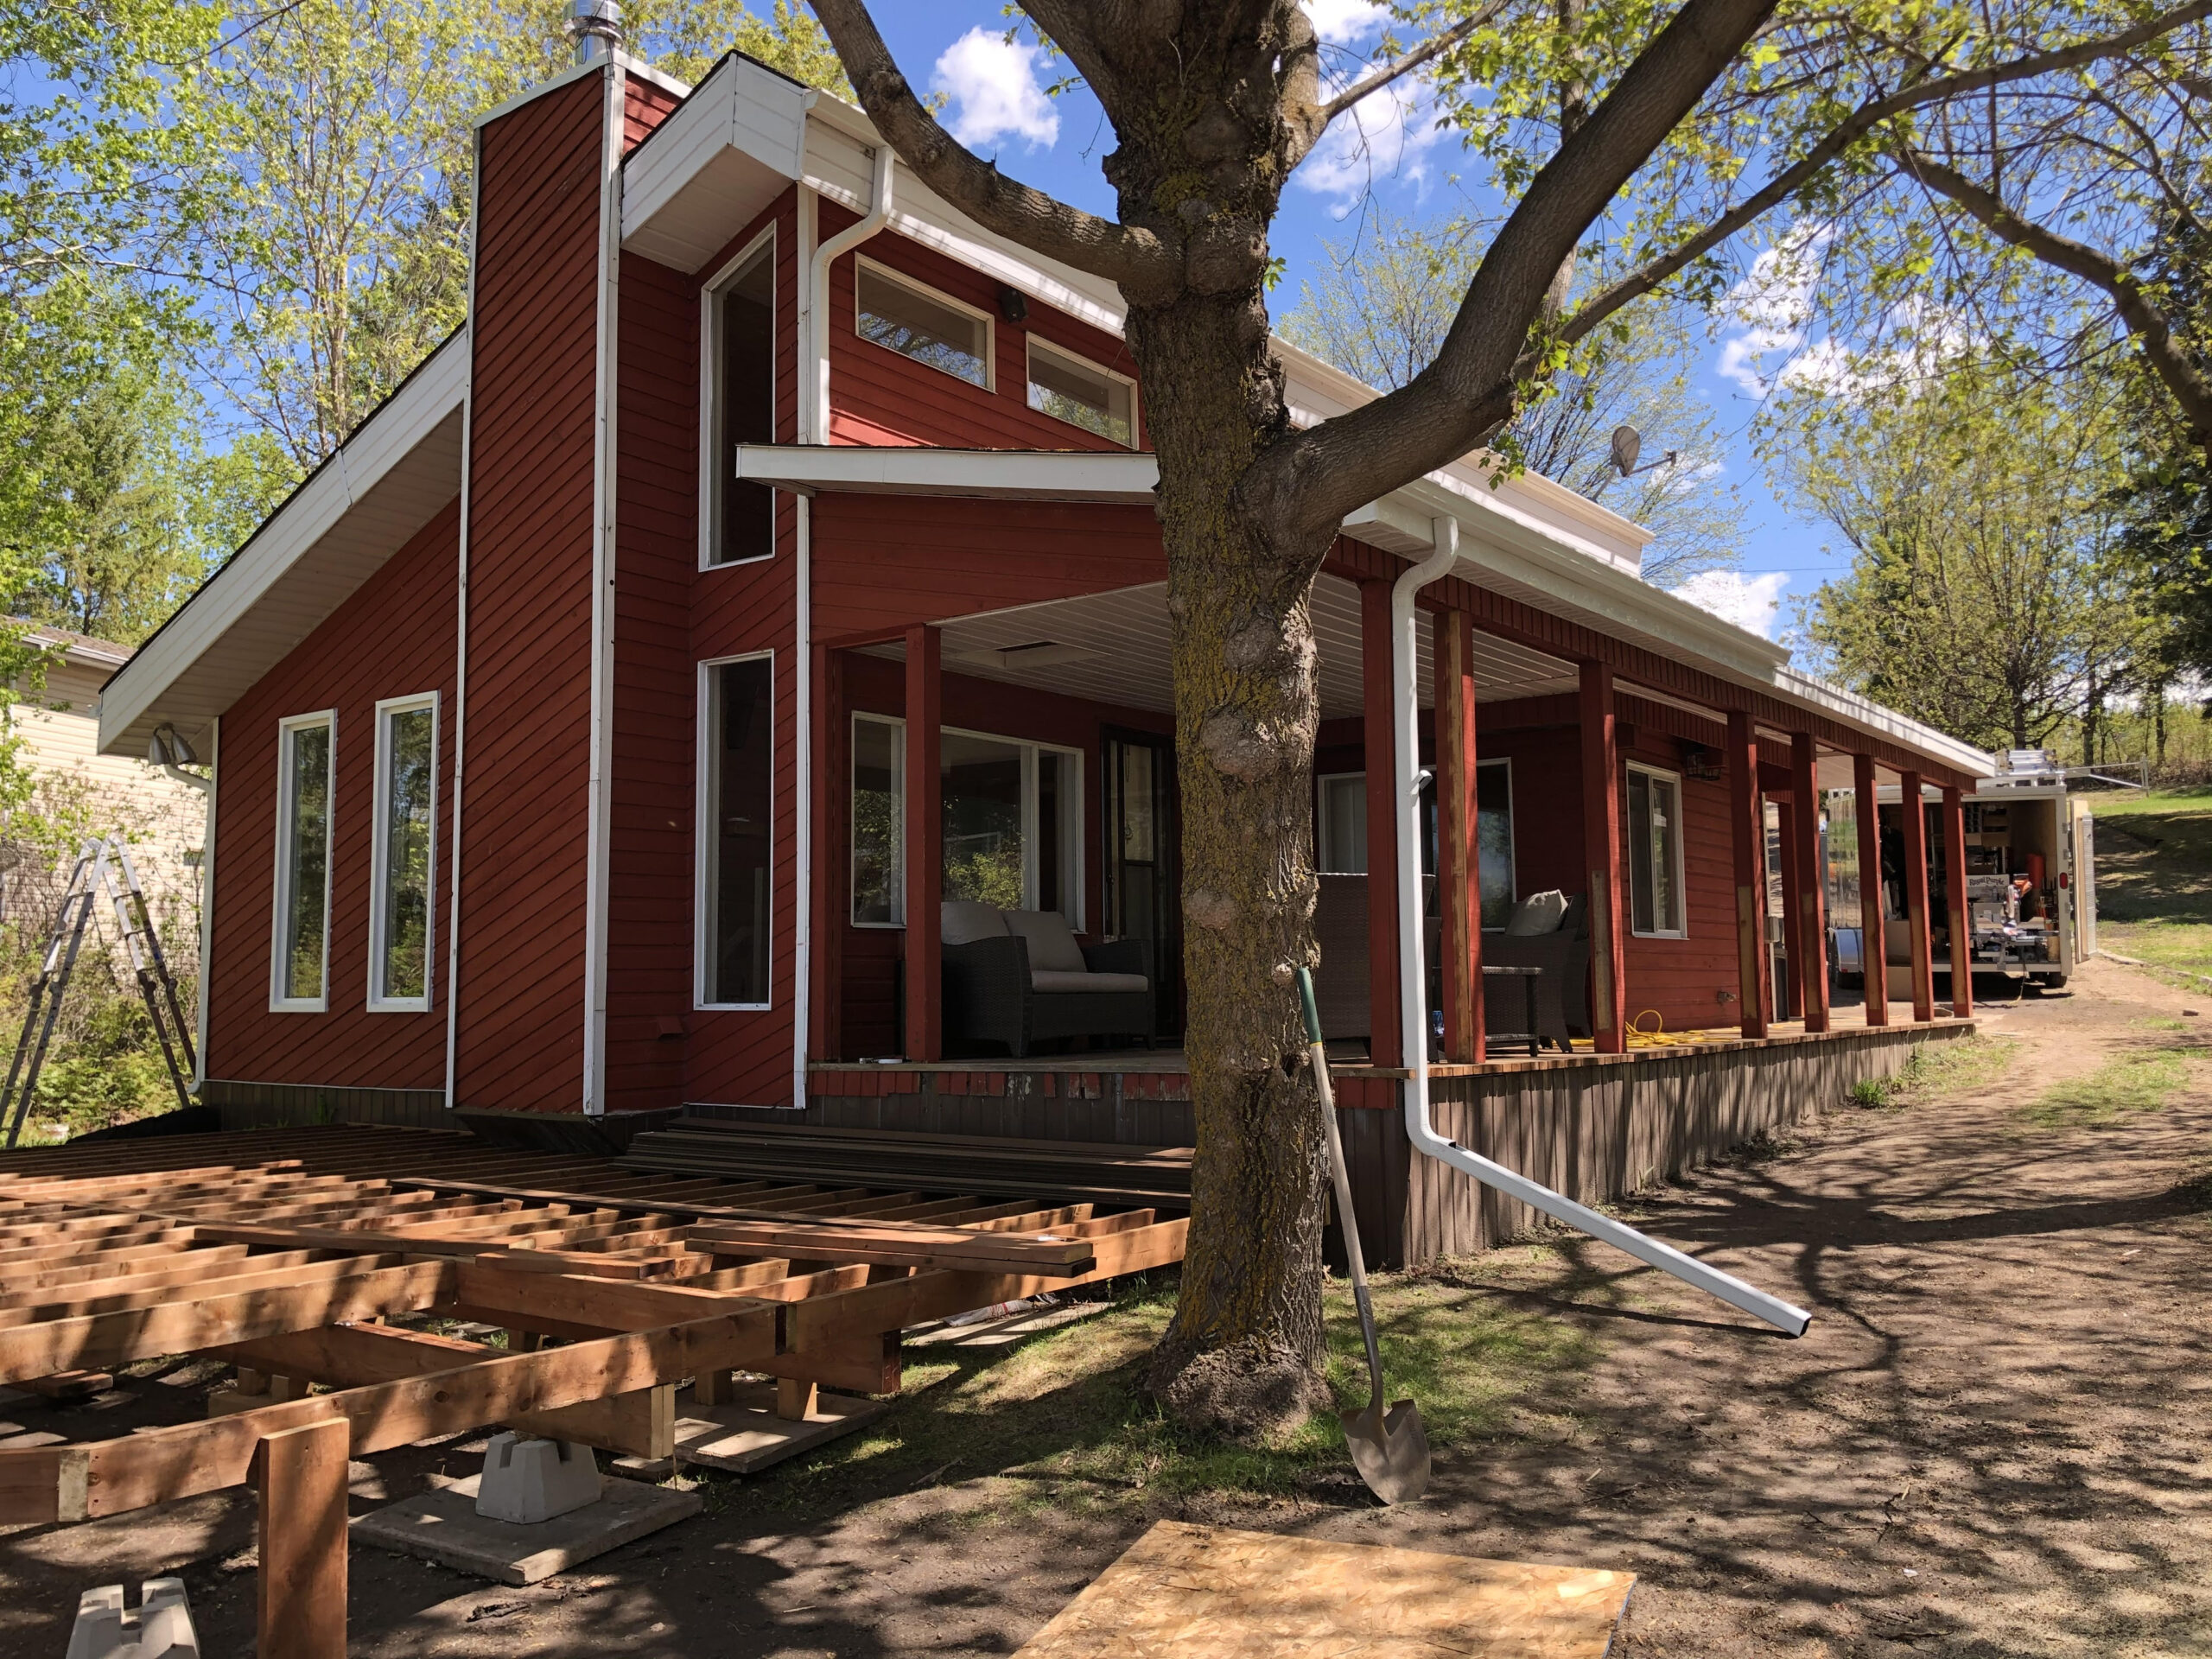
(1114, 648)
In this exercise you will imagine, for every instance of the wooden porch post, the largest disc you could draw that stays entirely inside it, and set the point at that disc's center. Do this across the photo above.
(1601, 857)
(1810, 911)
(1915, 820)
(1874, 944)
(925, 846)
(1747, 842)
(1954, 882)
(832, 870)
(301, 1583)
(1458, 881)
(1383, 1046)
(1793, 978)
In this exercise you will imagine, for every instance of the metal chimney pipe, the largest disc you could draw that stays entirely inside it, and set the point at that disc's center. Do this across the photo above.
(597, 25)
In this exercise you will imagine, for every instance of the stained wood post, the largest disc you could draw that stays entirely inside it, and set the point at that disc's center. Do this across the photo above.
(830, 899)
(1747, 844)
(924, 849)
(1793, 978)
(1601, 842)
(1873, 942)
(301, 1475)
(1383, 1046)
(1914, 818)
(1810, 912)
(1460, 884)
(1954, 882)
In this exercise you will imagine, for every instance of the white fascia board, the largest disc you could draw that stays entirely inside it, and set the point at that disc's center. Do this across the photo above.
(1111, 476)
(385, 448)
(710, 169)
(1849, 709)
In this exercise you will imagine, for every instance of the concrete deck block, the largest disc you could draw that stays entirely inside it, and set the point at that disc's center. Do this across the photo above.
(444, 1527)
(527, 1480)
(159, 1628)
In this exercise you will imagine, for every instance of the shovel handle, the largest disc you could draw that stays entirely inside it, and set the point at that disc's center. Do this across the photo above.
(1346, 1223)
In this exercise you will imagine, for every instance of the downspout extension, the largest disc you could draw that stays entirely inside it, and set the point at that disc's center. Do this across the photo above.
(814, 428)
(1412, 979)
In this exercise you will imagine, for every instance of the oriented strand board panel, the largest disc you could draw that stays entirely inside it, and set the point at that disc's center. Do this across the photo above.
(1206, 1593)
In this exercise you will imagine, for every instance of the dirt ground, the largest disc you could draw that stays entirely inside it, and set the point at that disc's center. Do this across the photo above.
(1995, 1440)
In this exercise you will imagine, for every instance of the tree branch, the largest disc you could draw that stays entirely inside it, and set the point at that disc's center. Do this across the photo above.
(1038, 222)
(1857, 126)
(2189, 387)
(1399, 68)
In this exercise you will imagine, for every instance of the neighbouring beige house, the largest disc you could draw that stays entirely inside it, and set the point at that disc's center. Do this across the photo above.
(163, 820)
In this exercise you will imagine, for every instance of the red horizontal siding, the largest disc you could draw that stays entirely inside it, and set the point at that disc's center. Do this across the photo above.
(393, 638)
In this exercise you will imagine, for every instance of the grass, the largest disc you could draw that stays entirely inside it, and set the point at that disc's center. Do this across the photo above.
(1935, 1070)
(1061, 1422)
(2142, 1081)
(2154, 881)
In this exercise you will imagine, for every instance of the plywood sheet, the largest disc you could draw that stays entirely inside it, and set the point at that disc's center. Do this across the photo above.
(1207, 1593)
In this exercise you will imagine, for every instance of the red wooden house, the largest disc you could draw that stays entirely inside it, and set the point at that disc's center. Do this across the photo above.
(771, 556)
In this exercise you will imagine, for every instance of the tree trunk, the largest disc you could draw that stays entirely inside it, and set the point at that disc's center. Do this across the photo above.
(1243, 1351)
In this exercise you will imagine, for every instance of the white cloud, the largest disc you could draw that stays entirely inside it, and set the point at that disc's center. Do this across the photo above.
(1340, 22)
(1387, 134)
(992, 82)
(1770, 308)
(1752, 603)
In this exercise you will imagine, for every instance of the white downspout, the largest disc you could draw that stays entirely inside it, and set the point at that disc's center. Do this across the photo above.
(1412, 981)
(814, 428)
(207, 786)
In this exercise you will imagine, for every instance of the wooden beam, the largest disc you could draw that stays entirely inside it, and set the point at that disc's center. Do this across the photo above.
(301, 1581)
(1384, 1044)
(1873, 942)
(1810, 911)
(924, 844)
(1601, 858)
(1954, 897)
(1914, 822)
(896, 1244)
(1747, 849)
(101, 1341)
(1459, 882)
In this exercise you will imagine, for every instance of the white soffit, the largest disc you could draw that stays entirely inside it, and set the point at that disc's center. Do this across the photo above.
(400, 468)
(715, 165)
(1112, 475)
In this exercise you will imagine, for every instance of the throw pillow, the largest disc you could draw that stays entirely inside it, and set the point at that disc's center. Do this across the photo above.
(1052, 948)
(1537, 914)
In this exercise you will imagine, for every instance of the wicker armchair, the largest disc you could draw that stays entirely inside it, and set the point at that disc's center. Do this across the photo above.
(992, 993)
(1563, 992)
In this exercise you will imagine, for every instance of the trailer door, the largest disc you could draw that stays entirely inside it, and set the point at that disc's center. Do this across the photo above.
(2081, 846)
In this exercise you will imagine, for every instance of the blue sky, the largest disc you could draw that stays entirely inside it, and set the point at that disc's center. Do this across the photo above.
(996, 103)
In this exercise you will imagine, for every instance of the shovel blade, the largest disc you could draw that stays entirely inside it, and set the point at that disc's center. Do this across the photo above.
(1391, 1450)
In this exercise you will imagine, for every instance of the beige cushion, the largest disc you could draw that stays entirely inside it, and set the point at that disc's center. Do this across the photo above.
(1044, 981)
(1536, 915)
(966, 920)
(1052, 942)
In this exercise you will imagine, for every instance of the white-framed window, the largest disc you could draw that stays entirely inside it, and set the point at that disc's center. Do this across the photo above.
(1340, 831)
(299, 968)
(1013, 817)
(404, 857)
(913, 320)
(1083, 393)
(1655, 854)
(737, 382)
(736, 805)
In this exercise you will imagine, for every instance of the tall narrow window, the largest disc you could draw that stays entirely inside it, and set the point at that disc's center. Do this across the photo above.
(879, 823)
(1655, 852)
(1072, 388)
(739, 728)
(741, 322)
(401, 881)
(299, 970)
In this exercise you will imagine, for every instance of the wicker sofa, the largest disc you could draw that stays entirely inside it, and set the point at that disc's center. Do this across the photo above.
(1019, 977)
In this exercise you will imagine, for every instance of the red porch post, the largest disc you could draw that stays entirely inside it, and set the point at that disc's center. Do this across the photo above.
(1955, 880)
(1601, 845)
(1810, 911)
(924, 848)
(1383, 1046)
(828, 901)
(1459, 880)
(1873, 945)
(1747, 842)
(1793, 978)
(1915, 820)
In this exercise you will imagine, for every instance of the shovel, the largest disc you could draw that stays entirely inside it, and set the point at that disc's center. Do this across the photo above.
(1390, 1449)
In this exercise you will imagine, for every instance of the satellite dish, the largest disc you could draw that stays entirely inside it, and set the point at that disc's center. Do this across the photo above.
(1628, 443)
